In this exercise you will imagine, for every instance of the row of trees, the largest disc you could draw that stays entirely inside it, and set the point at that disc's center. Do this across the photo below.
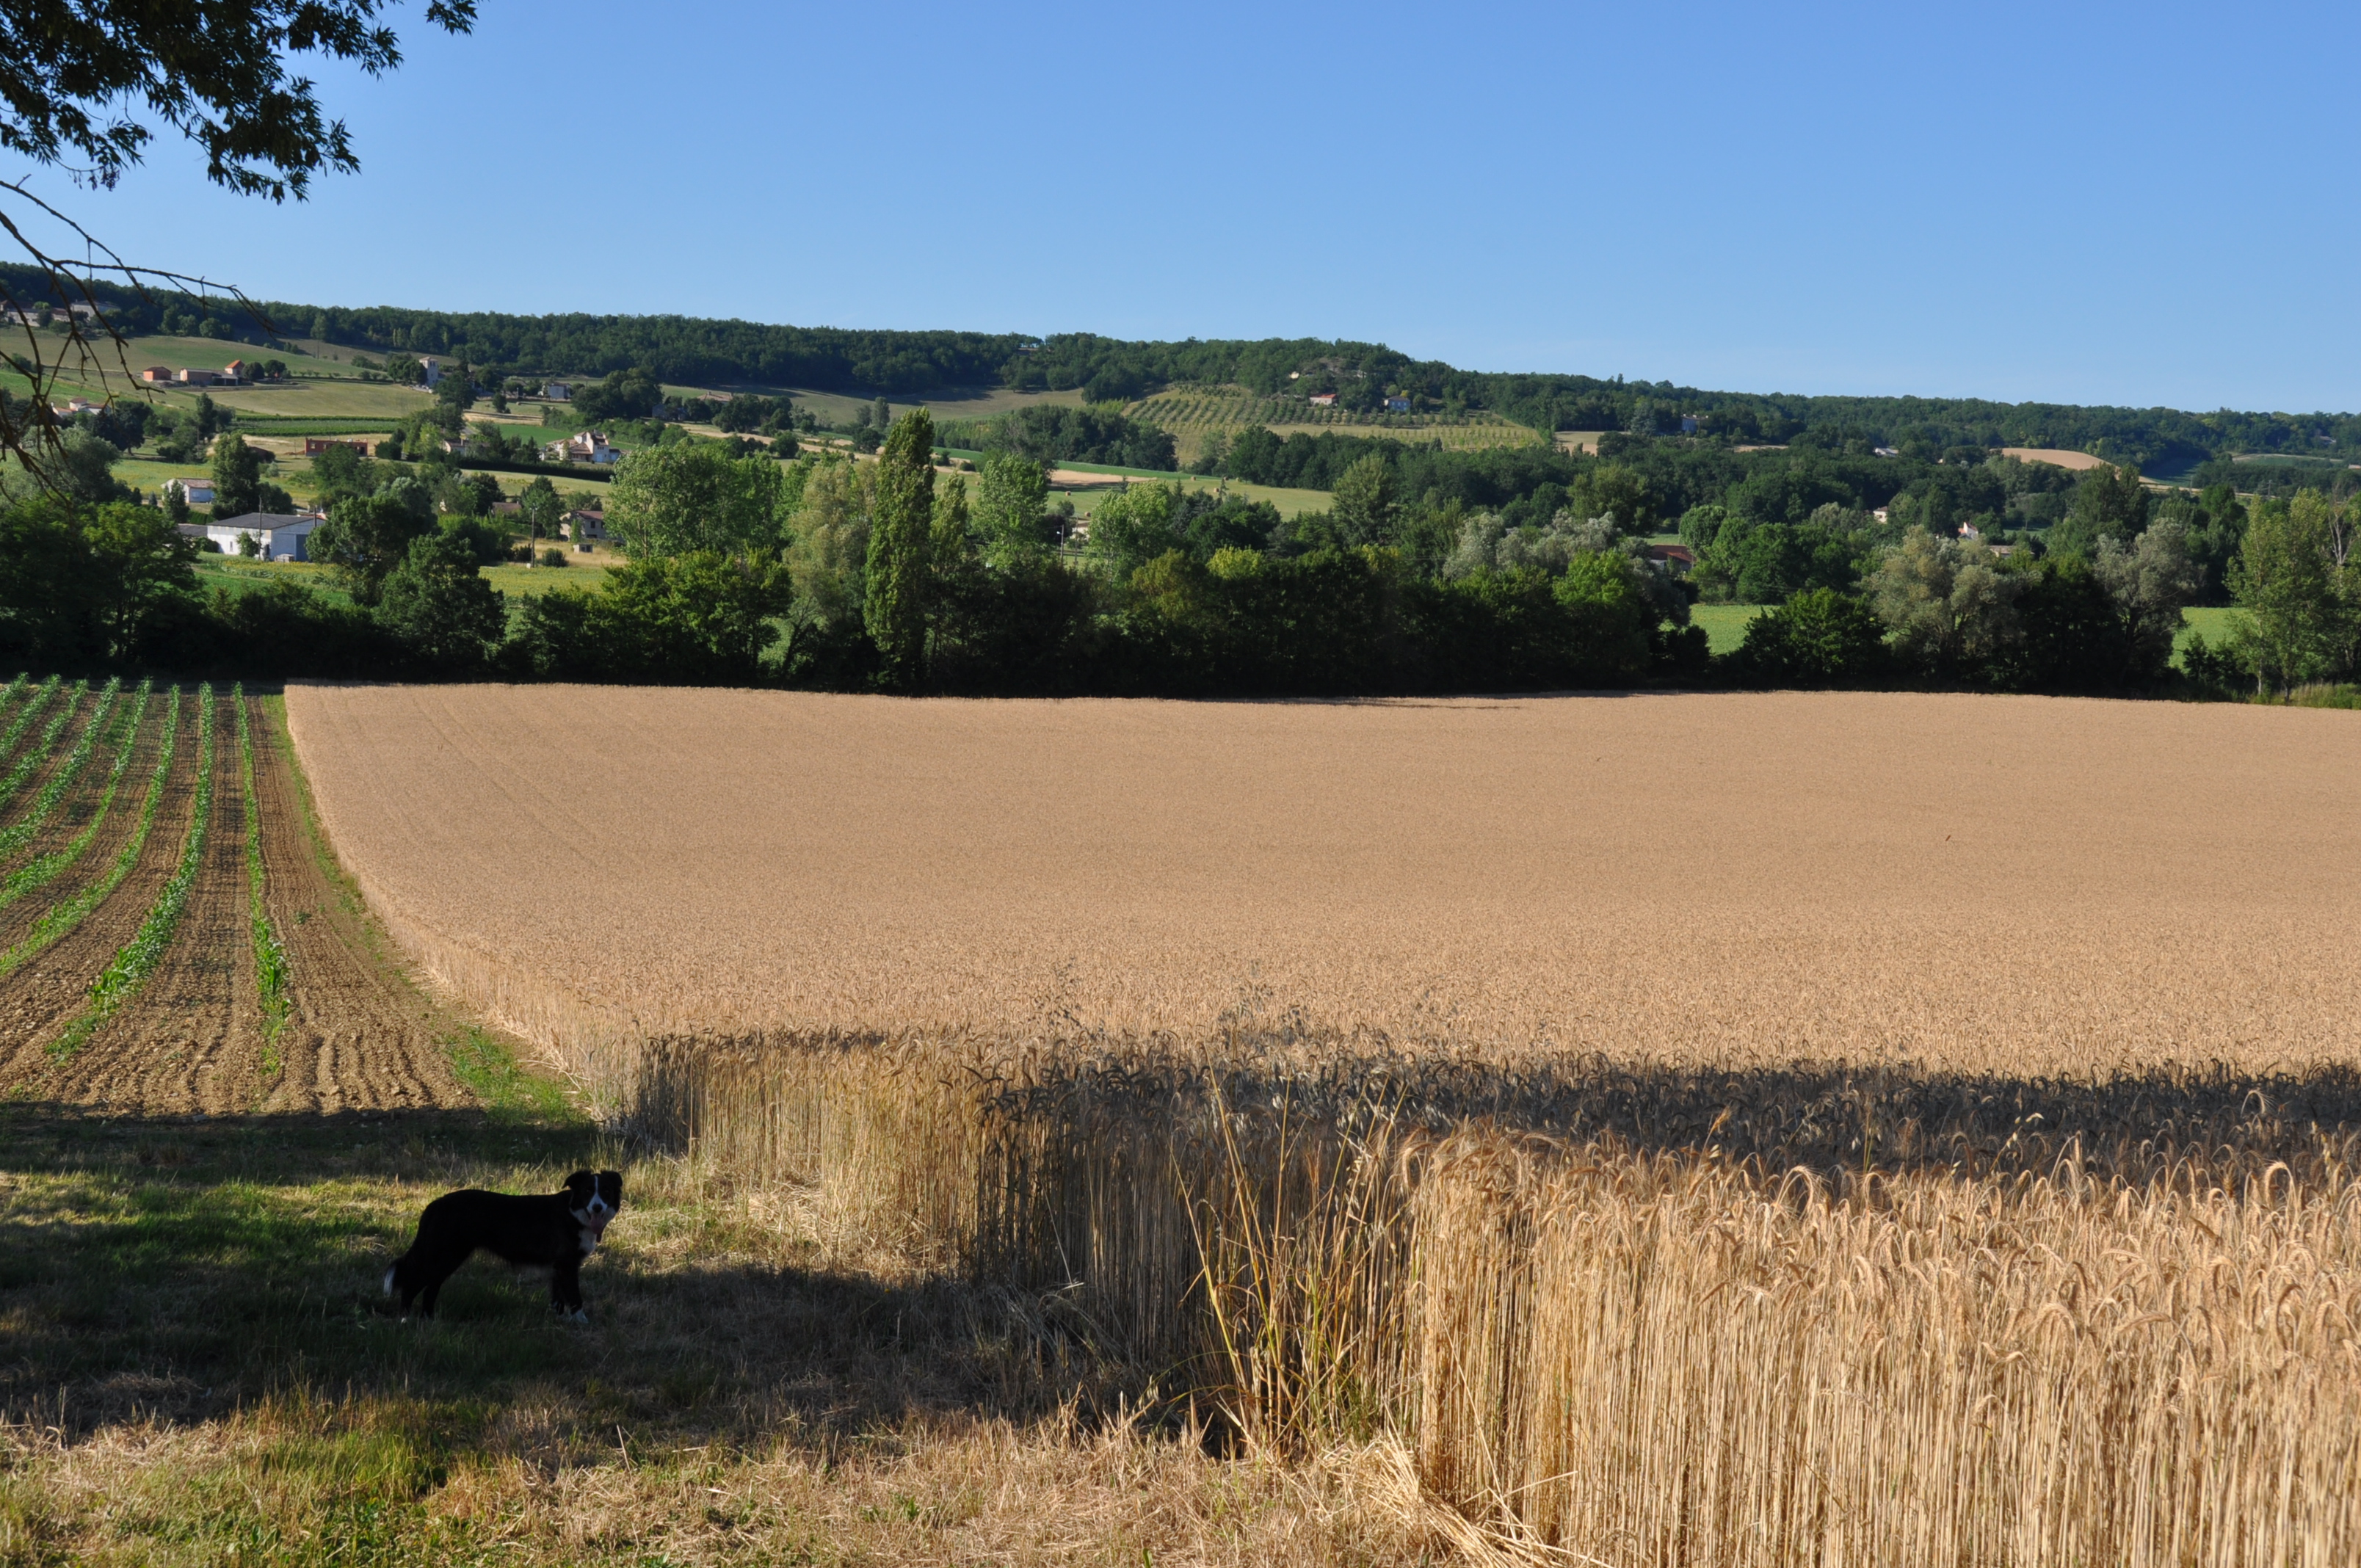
(701, 352)
(901, 574)
(1050, 435)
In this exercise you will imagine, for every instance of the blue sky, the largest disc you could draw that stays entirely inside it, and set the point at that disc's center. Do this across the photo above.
(2129, 204)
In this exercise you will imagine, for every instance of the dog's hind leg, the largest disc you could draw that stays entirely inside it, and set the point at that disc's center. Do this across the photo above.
(425, 1276)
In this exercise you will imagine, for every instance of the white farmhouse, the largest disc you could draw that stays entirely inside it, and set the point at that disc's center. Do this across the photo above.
(277, 537)
(589, 446)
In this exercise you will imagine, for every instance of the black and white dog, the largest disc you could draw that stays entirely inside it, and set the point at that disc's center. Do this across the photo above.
(554, 1233)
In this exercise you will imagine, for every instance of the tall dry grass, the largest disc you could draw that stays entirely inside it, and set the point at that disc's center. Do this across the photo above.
(1802, 1191)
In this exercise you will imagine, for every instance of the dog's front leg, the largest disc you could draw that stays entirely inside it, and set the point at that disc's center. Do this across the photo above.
(566, 1290)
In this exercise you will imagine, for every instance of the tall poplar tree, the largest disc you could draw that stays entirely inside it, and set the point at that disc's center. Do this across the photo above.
(901, 552)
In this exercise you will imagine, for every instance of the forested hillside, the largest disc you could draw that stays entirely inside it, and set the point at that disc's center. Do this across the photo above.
(682, 349)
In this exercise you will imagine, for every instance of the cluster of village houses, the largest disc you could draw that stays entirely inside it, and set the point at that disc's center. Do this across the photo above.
(236, 371)
(281, 537)
(277, 537)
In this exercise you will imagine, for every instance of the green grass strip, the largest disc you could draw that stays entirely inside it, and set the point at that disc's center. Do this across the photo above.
(40, 873)
(36, 755)
(64, 779)
(60, 918)
(13, 689)
(137, 957)
(40, 697)
(270, 953)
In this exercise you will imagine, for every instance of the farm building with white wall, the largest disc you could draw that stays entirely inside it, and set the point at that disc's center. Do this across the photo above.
(278, 536)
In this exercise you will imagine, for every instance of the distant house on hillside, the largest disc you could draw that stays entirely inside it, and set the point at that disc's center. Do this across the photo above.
(233, 371)
(157, 375)
(277, 537)
(588, 447)
(558, 392)
(583, 524)
(196, 492)
(434, 371)
(1324, 400)
(315, 444)
(1679, 556)
(1396, 405)
(1689, 424)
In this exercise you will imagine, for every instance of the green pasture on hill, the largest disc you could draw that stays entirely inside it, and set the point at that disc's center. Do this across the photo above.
(103, 378)
(240, 576)
(1725, 624)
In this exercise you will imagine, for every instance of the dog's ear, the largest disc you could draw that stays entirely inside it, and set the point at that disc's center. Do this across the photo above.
(611, 1187)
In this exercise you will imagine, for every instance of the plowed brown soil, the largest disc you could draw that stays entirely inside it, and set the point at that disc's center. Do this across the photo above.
(40, 999)
(191, 1040)
(14, 808)
(360, 1038)
(73, 815)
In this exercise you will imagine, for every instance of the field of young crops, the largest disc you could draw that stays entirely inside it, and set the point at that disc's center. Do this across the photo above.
(1741, 1129)
(169, 938)
(1197, 411)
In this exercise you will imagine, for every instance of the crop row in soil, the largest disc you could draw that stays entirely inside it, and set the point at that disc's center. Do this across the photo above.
(189, 1036)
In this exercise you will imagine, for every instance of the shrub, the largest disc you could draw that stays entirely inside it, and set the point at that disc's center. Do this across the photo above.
(1820, 637)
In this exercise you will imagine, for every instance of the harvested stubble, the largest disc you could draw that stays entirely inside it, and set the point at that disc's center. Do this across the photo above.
(1749, 1129)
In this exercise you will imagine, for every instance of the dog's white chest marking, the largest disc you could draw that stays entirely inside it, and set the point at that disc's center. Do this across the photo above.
(592, 1223)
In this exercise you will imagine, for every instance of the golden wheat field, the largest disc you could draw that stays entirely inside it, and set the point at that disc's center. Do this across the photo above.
(1700, 1129)
(2017, 882)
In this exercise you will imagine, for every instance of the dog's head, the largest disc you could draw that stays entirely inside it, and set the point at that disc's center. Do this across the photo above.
(594, 1196)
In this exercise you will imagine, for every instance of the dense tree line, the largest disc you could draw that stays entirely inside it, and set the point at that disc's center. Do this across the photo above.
(899, 574)
(1050, 435)
(695, 350)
